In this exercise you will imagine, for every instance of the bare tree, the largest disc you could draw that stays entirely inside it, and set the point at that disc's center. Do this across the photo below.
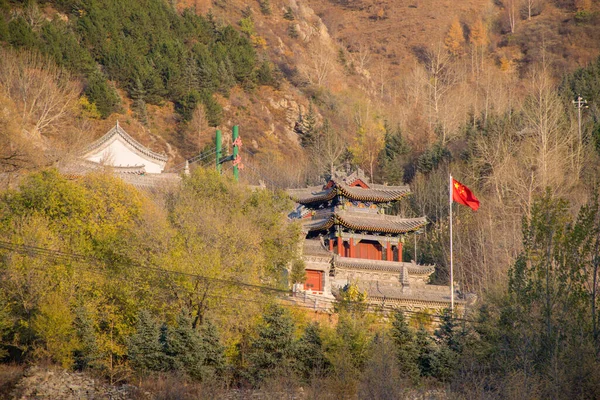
(361, 54)
(329, 147)
(43, 92)
(440, 79)
(198, 124)
(319, 63)
(511, 11)
(546, 121)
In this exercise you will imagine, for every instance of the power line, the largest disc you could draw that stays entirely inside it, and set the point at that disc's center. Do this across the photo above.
(67, 256)
(26, 249)
(194, 159)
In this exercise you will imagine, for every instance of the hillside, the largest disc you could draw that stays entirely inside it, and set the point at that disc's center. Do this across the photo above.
(186, 291)
(353, 60)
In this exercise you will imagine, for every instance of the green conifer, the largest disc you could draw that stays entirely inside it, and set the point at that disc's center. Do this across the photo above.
(274, 347)
(99, 92)
(427, 359)
(265, 6)
(139, 104)
(88, 353)
(213, 350)
(144, 347)
(292, 31)
(184, 348)
(289, 14)
(406, 348)
(310, 353)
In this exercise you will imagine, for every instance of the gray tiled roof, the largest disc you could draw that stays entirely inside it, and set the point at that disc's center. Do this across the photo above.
(375, 193)
(82, 167)
(360, 221)
(378, 222)
(440, 294)
(314, 247)
(380, 265)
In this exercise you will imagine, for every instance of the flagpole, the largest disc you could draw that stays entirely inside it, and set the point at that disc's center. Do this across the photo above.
(451, 254)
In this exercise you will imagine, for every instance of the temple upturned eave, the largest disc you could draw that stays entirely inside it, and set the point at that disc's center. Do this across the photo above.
(368, 223)
(376, 194)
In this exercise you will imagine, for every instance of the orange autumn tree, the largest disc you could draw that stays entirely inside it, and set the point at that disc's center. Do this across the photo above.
(455, 39)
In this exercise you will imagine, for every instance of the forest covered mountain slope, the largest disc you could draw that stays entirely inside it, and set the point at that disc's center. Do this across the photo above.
(191, 284)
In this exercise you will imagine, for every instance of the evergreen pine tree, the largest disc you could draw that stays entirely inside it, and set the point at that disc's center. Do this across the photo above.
(213, 350)
(292, 31)
(427, 359)
(265, 6)
(310, 353)
(184, 348)
(139, 104)
(449, 347)
(99, 92)
(406, 348)
(88, 353)
(289, 14)
(306, 127)
(394, 156)
(144, 347)
(273, 348)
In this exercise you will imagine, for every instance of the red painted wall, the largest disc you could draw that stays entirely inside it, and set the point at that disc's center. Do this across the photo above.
(368, 250)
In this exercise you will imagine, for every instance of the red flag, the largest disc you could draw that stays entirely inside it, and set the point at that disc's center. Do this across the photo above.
(463, 195)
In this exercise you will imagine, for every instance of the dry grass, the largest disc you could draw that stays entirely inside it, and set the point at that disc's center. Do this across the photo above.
(10, 375)
(173, 387)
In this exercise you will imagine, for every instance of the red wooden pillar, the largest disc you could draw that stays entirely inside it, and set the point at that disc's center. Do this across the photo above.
(400, 251)
(330, 244)
(352, 255)
(340, 246)
(389, 254)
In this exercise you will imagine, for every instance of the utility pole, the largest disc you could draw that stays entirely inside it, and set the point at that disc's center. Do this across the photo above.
(579, 104)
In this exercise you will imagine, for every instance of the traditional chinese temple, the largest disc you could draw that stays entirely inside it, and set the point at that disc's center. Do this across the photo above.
(349, 238)
(126, 158)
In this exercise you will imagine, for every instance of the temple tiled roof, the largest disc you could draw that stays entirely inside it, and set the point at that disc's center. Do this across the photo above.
(153, 182)
(380, 265)
(312, 194)
(134, 175)
(375, 193)
(138, 147)
(313, 247)
(378, 222)
(81, 167)
(360, 221)
(425, 293)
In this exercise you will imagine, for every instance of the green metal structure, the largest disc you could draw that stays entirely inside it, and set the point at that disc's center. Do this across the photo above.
(235, 157)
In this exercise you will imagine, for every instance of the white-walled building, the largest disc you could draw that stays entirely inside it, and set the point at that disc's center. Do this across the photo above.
(117, 149)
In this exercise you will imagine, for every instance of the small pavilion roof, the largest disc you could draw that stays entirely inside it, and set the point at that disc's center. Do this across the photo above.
(375, 193)
(117, 131)
(354, 186)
